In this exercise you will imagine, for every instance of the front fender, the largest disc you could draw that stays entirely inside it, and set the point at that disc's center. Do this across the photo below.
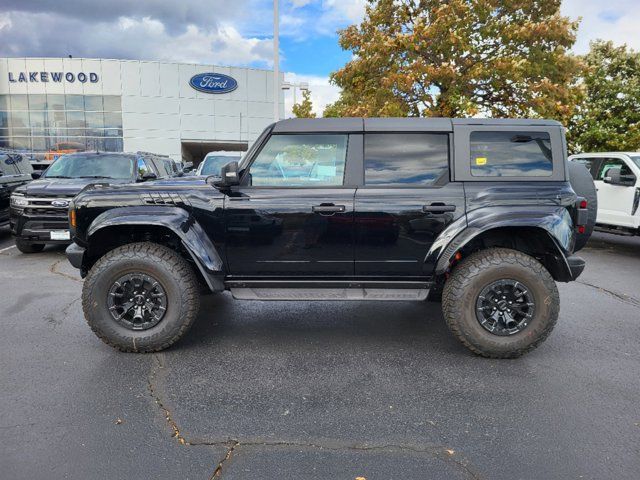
(555, 221)
(181, 223)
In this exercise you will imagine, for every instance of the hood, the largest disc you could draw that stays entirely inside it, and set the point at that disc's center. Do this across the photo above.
(64, 186)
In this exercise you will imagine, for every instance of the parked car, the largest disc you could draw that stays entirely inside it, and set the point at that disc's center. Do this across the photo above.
(617, 179)
(15, 171)
(39, 209)
(346, 209)
(214, 161)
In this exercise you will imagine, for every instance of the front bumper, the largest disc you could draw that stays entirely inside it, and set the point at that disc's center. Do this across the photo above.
(75, 255)
(35, 223)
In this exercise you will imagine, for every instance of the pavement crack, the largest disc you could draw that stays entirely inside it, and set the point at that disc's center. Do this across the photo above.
(54, 269)
(156, 370)
(159, 370)
(629, 300)
(218, 470)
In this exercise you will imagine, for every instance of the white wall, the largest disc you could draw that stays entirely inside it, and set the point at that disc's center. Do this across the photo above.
(159, 106)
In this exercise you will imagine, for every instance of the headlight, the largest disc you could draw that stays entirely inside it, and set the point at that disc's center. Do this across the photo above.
(19, 201)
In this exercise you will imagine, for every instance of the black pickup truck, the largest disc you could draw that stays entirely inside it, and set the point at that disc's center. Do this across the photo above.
(478, 213)
(39, 210)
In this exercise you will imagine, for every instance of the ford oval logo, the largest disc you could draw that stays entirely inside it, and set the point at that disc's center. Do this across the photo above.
(60, 203)
(213, 83)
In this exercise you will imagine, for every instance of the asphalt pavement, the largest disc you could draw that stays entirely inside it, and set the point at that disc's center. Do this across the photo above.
(329, 390)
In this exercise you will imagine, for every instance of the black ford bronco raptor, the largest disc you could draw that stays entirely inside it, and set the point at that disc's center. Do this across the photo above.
(483, 214)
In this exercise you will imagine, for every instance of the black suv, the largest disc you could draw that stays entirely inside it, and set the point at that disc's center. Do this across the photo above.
(15, 171)
(39, 210)
(479, 213)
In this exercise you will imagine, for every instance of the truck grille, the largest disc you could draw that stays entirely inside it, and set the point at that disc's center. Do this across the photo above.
(56, 207)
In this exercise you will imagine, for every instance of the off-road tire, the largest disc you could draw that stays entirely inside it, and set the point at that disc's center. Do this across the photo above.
(174, 274)
(582, 183)
(28, 247)
(479, 270)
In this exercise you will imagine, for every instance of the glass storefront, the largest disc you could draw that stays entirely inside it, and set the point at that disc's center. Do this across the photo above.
(47, 125)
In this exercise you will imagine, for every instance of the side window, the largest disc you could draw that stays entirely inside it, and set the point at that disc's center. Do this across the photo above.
(589, 162)
(608, 163)
(405, 159)
(510, 154)
(300, 161)
(142, 167)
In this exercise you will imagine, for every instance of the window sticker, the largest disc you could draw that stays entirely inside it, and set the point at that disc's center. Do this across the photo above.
(481, 160)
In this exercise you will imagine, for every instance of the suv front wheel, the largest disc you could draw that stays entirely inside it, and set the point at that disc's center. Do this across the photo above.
(500, 303)
(141, 297)
(28, 247)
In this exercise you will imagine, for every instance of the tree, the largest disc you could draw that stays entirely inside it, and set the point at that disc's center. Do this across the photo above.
(497, 58)
(305, 108)
(609, 117)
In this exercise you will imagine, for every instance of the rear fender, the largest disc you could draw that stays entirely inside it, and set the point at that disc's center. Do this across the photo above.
(181, 223)
(555, 222)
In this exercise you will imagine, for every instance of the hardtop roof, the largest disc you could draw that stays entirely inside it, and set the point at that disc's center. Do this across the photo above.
(389, 124)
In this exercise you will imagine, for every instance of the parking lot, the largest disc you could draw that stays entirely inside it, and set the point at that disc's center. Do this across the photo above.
(319, 390)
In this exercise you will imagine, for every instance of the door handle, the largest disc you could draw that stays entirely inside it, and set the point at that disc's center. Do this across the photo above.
(438, 208)
(328, 208)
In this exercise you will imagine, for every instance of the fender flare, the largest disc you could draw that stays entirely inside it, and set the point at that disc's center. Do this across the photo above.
(178, 221)
(555, 221)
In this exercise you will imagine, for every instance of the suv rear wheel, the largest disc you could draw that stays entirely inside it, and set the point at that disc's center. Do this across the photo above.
(500, 303)
(141, 297)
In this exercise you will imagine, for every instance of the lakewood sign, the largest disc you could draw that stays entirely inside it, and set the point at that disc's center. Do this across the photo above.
(54, 77)
(213, 83)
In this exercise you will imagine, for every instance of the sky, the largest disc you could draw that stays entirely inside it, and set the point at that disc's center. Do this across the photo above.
(237, 32)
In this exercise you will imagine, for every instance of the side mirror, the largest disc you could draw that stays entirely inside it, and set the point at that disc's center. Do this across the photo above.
(615, 177)
(36, 174)
(229, 175)
(148, 176)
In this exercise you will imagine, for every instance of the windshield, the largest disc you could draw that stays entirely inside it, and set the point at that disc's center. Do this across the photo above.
(213, 163)
(636, 159)
(103, 165)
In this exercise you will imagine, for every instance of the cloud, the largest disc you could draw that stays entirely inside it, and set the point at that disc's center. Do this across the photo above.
(615, 20)
(128, 38)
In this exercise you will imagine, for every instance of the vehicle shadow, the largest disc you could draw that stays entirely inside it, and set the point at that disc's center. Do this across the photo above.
(353, 324)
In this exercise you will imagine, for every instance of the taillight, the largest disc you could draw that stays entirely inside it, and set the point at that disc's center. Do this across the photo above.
(583, 204)
(581, 229)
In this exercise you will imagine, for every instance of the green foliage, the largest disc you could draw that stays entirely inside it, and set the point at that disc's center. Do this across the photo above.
(499, 58)
(609, 117)
(305, 108)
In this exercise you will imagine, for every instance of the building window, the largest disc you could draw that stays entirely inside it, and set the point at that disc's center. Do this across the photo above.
(44, 125)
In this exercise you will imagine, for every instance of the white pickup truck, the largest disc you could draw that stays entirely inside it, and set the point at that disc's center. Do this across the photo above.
(616, 176)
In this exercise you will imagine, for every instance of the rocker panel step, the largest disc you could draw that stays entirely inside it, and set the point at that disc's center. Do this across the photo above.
(387, 294)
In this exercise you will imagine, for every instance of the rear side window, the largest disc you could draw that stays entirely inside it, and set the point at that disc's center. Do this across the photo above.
(510, 154)
(405, 159)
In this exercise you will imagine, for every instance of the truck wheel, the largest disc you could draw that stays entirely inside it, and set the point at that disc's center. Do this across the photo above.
(582, 183)
(500, 303)
(28, 247)
(141, 297)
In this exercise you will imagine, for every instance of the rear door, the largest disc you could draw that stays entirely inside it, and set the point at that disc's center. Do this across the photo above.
(292, 215)
(405, 202)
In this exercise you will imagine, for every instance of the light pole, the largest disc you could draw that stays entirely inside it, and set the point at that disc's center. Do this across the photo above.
(276, 63)
(303, 86)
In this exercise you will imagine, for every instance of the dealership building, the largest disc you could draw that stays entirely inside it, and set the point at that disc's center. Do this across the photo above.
(50, 105)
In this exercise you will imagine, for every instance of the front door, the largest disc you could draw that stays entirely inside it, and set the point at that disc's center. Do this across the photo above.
(292, 214)
(405, 203)
(615, 202)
